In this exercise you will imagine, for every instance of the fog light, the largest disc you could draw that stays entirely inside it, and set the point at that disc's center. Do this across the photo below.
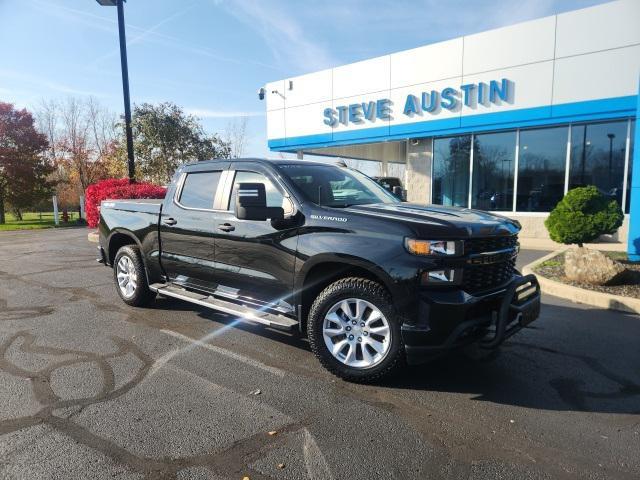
(447, 275)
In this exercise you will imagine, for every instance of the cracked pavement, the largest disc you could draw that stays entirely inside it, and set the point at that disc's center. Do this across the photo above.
(92, 388)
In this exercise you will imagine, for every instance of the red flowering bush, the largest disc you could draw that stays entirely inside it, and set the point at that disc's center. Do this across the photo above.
(116, 188)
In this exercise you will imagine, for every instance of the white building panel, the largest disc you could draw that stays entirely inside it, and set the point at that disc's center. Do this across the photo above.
(275, 124)
(427, 64)
(519, 44)
(310, 88)
(612, 73)
(588, 54)
(531, 86)
(610, 25)
(306, 120)
(274, 95)
(359, 78)
(399, 98)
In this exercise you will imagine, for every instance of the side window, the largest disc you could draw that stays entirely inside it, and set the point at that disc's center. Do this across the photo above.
(199, 190)
(274, 197)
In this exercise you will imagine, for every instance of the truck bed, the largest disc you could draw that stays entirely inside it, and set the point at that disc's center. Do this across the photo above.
(141, 205)
(136, 218)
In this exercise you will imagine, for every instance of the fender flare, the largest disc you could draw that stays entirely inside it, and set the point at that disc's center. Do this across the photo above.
(136, 241)
(125, 232)
(346, 259)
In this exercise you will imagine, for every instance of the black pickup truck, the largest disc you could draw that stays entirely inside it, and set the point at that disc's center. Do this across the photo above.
(373, 281)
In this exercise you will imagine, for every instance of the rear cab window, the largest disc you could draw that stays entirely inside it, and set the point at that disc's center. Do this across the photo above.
(199, 190)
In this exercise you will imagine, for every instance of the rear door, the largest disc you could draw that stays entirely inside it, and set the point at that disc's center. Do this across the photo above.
(255, 260)
(188, 227)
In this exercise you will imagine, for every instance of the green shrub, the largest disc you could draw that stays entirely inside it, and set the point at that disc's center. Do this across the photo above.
(582, 216)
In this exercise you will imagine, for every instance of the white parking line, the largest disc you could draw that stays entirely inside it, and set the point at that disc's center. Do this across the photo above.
(314, 460)
(222, 351)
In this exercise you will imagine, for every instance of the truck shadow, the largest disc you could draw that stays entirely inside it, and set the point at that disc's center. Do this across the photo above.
(573, 359)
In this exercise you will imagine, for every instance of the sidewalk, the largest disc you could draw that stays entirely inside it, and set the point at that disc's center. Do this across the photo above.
(547, 244)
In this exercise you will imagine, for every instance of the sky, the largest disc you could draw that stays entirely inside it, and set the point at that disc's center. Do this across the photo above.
(211, 56)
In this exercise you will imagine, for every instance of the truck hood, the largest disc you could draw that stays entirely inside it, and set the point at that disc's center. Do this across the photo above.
(439, 221)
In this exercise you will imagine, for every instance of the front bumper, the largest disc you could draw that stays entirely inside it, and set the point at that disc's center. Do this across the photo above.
(449, 319)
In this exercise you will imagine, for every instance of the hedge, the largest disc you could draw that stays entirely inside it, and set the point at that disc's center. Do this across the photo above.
(116, 189)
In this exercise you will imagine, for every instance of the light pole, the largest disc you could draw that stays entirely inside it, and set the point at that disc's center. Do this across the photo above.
(125, 81)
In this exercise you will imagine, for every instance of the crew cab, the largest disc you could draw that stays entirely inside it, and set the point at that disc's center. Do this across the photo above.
(373, 281)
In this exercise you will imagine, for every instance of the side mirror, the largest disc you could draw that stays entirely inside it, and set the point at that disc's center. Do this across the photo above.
(251, 203)
(400, 192)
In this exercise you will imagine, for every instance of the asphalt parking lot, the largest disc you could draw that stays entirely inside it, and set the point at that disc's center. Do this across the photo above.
(92, 388)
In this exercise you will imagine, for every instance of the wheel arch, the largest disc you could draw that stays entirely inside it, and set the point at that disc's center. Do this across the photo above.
(118, 239)
(322, 270)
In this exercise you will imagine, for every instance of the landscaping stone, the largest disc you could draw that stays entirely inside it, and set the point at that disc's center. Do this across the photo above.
(592, 266)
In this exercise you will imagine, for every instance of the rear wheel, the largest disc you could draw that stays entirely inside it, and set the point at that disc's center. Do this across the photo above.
(130, 277)
(354, 331)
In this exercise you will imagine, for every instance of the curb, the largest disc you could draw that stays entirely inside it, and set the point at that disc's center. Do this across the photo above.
(581, 295)
(93, 236)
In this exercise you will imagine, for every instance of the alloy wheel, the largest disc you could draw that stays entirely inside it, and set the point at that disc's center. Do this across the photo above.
(356, 333)
(127, 276)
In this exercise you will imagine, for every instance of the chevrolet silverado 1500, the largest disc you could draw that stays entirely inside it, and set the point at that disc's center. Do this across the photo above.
(373, 281)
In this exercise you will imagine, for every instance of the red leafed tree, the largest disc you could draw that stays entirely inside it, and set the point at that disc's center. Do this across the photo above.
(23, 169)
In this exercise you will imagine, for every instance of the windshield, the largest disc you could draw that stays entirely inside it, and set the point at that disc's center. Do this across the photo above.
(338, 187)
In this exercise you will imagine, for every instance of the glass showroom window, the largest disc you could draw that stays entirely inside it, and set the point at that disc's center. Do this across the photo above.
(541, 166)
(493, 167)
(597, 157)
(450, 178)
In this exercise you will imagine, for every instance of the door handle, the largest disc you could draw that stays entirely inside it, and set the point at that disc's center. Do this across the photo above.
(170, 221)
(226, 227)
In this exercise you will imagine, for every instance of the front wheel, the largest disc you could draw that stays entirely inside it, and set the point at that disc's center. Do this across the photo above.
(130, 277)
(354, 331)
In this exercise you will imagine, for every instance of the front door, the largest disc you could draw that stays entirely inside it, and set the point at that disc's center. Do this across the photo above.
(188, 227)
(255, 260)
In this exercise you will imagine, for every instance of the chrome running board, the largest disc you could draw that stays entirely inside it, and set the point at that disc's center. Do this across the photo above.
(241, 311)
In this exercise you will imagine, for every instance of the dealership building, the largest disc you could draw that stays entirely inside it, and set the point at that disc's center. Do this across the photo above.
(506, 120)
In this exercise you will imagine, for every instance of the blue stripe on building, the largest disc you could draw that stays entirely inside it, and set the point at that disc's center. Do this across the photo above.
(633, 239)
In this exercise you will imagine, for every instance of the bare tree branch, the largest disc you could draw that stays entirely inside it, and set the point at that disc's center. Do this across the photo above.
(236, 135)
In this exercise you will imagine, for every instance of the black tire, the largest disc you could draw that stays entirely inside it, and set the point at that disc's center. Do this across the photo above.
(141, 295)
(374, 293)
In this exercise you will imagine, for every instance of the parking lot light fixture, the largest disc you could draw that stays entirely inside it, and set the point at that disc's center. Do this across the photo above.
(125, 81)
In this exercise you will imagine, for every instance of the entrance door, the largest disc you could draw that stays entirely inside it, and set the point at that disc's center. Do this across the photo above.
(188, 226)
(255, 260)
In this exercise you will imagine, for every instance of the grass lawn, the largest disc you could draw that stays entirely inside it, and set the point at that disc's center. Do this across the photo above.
(35, 220)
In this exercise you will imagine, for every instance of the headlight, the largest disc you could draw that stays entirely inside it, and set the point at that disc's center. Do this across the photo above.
(431, 247)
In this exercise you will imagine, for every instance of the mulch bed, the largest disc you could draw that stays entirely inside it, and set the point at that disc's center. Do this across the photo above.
(628, 287)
